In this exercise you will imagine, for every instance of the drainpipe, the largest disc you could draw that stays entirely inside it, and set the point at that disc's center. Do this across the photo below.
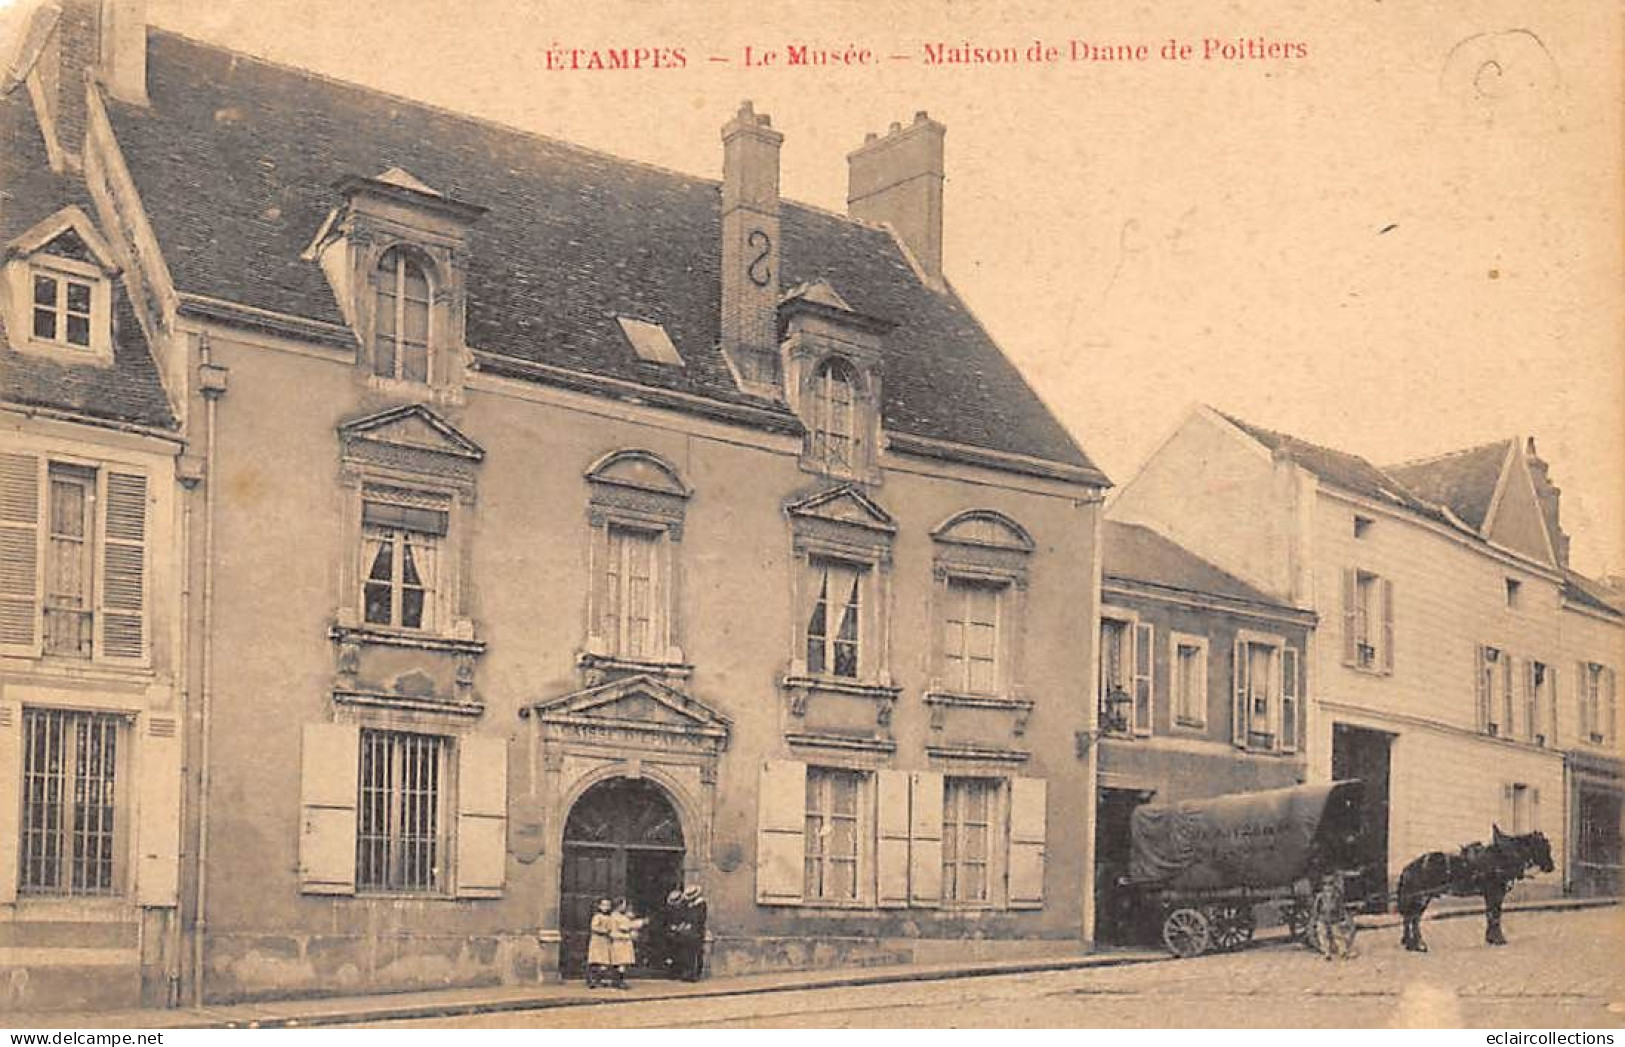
(188, 475)
(212, 384)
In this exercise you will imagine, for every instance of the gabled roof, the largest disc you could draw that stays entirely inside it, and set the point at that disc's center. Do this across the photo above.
(1131, 552)
(1579, 589)
(128, 391)
(1339, 468)
(572, 239)
(1462, 481)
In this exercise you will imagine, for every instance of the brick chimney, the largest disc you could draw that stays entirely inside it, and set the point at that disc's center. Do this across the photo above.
(104, 38)
(897, 179)
(1549, 495)
(750, 249)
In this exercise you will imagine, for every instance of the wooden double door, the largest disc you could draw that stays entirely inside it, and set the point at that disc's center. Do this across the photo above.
(623, 839)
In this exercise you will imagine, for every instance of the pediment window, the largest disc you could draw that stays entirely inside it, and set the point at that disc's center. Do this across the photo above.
(636, 502)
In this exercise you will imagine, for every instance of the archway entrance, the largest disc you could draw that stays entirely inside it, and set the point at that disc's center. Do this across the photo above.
(623, 839)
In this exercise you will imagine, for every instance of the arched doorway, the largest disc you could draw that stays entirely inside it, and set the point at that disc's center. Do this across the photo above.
(623, 839)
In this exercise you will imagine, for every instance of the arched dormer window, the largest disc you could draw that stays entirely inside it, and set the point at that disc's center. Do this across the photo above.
(401, 321)
(835, 438)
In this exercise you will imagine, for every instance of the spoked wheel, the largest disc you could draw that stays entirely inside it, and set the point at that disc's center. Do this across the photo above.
(1186, 933)
(1297, 923)
(1232, 926)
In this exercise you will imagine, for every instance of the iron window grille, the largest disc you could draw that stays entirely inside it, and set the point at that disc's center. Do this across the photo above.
(70, 815)
(400, 819)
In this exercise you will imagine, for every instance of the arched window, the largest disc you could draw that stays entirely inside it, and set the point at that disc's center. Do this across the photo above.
(401, 339)
(834, 435)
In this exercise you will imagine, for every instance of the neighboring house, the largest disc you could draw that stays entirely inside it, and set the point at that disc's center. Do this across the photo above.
(575, 528)
(1452, 652)
(1202, 690)
(1562, 691)
(91, 676)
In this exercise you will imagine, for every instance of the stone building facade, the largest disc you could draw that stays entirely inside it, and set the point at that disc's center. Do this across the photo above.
(565, 527)
(93, 676)
(1456, 657)
(1202, 693)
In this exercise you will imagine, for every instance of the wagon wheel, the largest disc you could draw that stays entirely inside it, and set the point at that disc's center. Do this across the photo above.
(1186, 933)
(1232, 926)
(1297, 922)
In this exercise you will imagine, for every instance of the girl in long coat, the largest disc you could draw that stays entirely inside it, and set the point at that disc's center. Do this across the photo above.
(600, 950)
(623, 928)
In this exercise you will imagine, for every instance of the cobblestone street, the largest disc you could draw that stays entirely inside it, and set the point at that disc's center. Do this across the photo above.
(1561, 970)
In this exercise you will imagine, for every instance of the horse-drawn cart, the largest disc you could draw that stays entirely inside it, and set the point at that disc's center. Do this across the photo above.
(1206, 866)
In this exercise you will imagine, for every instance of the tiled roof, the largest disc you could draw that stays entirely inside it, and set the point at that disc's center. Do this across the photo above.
(128, 391)
(236, 161)
(1135, 553)
(1463, 481)
(1339, 468)
(1588, 593)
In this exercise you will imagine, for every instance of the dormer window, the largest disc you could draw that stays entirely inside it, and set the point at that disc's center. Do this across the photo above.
(62, 308)
(834, 432)
(57, 290)
(401, 322)
(396, 254)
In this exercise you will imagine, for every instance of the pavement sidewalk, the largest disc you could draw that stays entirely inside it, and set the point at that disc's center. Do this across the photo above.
(443, 1003)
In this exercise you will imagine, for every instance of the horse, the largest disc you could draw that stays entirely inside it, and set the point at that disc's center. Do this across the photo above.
(1487, 870)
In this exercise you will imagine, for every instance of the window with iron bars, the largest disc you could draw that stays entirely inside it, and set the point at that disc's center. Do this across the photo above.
(400, 844)
(70, 817)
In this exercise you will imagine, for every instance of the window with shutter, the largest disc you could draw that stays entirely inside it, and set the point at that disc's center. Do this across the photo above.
(124, 560)
(1488, 707)
(1509, 699)
(482, 816)
(20, 574)
(11, 756)
(1028, 819)
(925, 838)
(1290, 705)
(834, 835)
(158, 799)
(329, 778)
(1144, 641)
(967, 830)
(1240, 720)
(1188, 682)
(892, 838)
(781, 832)
(72, 803)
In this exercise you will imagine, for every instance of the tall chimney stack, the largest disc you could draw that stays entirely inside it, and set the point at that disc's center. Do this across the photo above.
(750, 248)
(897, 179)
(103, 38)
(124, 49)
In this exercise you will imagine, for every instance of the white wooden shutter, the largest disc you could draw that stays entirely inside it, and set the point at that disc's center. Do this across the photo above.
(158, 799)
(891, 849)
(1289, 699)
(1509, 701)
(20, 579)
(11, 774)
(1582, 699)
(1387, 626)
(120, 623)
(1553, 704)
(482, 816)
(1028, 820)
(329, 763)
(1531, 713)
(1485, 672)
(1239, 671)
(1144, 650)
(925, 838)
(1611, 706)
(1351, 629)
(781, 827)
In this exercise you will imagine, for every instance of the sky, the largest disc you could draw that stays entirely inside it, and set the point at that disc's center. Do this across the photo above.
(1402, 240)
